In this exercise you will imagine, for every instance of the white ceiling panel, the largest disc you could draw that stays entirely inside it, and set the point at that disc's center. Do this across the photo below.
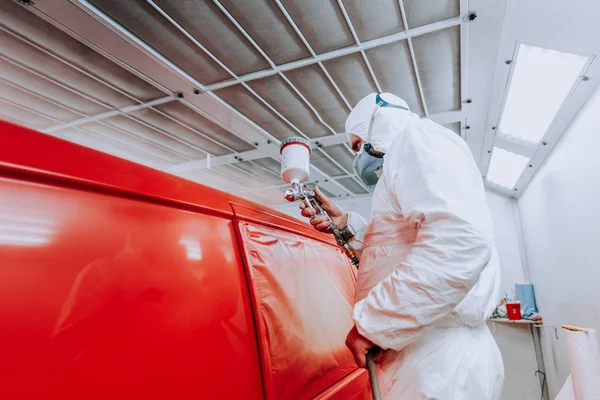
(35, 83)
(422, 12)
(258, 171)
(321, 161)
(211, 27)
(342, 155)
(14, 93)
(438, 59)
(266, 24)
(351, 75)
(23, 116)
(188, 117)
(214, 179)
(155, 135)
(250, 106)
(157, 147)
(132, 153)
(270, 164)
(393, 68)
(165, 124)
(246, 179)
(375, 18)
(281, 96)
(353, 185)
(18, 20)
(316, 88)
(22, 54)
(321, 22)
(455, 127)
(148, 24)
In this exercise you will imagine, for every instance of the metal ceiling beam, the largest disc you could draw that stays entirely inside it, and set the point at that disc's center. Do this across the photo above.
(527, 150)
(366, 45)
(464, 46)
(317, 143)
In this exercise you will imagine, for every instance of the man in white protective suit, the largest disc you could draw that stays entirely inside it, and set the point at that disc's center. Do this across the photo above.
(429, 272)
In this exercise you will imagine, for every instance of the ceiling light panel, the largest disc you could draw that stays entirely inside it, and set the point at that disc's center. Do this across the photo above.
(541, 81)
(506, 167)
(373, 21)
(393, 68)
(438, 59)
(422, 12)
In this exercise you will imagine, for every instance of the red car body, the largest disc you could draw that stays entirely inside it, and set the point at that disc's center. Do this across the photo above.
(118, 281)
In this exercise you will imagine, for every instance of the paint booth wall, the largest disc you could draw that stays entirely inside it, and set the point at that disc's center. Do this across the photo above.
(515, 341)
(560, 211)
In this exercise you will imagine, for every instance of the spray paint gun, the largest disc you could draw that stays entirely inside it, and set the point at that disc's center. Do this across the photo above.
(295, 167)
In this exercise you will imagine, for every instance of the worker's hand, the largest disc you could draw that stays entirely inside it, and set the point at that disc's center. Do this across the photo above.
(321, 222)
(359, 346)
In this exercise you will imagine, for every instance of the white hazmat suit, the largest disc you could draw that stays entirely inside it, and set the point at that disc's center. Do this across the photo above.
(429, 271)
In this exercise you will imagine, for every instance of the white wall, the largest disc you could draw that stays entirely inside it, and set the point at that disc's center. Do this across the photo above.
(501, 209)
(561, 220)
(515, 341)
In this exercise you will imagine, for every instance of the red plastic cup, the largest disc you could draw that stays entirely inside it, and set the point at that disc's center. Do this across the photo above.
(513, 309)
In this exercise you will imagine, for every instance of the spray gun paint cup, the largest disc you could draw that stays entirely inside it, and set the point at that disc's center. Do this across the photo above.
(295, 160)
(513, 309)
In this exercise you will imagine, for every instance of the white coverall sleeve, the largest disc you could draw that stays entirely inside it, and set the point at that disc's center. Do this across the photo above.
(439, 190)
(357, 225)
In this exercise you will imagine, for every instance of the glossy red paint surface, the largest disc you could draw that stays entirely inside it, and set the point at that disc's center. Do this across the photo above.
(121, 282)
(104, 297)
(304, 310)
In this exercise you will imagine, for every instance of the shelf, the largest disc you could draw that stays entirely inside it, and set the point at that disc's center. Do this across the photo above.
(521, 321)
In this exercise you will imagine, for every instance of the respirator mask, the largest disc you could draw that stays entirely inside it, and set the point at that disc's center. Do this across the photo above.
(368, 165)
